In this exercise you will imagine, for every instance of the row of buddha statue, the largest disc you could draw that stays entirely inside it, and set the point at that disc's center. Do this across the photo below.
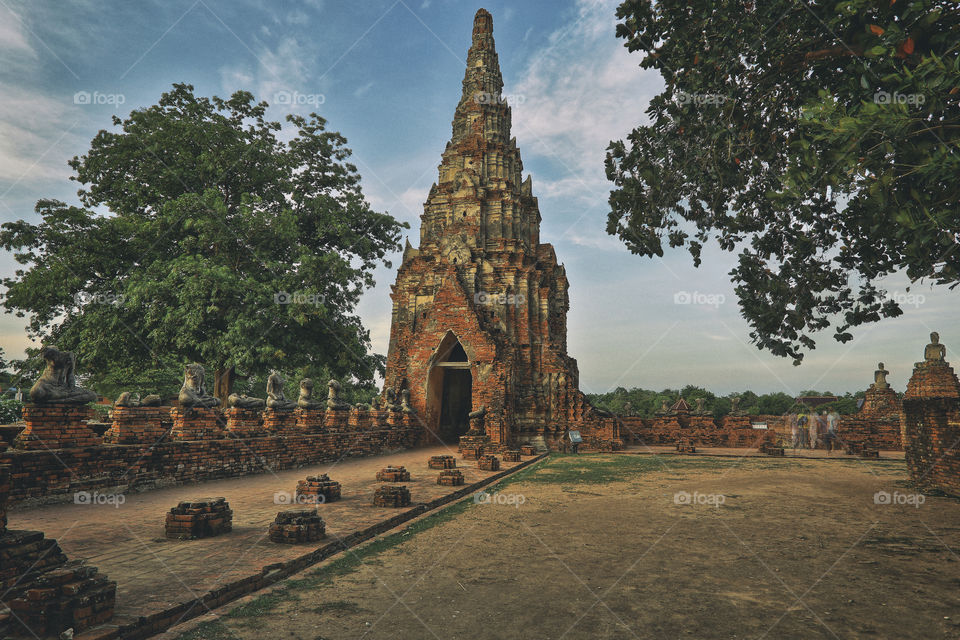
(57, 385)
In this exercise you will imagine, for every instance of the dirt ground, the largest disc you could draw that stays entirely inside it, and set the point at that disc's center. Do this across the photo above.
(622, 546)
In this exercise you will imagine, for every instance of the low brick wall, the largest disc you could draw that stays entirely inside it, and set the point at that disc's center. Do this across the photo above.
(54, 475)
(703, 431)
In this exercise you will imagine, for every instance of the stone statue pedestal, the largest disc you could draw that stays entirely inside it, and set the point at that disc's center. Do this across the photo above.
(244, 423)
(279, 421)
(311, 420)
(880, 402)
(337, 420)
(360, 420)
(56, 426)
(193, 423)
(930, 427)
(137, 425)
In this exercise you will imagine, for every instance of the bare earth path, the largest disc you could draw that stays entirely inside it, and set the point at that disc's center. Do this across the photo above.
(125, 541)
(600, 548)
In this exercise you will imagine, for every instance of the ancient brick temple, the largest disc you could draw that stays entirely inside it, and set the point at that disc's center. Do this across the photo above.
(479, 308)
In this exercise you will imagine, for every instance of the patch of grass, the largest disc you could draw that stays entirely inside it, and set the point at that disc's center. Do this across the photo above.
(338, 606)
(214, 630)
(602, 469)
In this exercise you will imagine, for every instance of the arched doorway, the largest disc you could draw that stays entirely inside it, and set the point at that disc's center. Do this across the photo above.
(450, 392)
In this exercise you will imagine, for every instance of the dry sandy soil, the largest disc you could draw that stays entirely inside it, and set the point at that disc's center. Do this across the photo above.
(600, 548)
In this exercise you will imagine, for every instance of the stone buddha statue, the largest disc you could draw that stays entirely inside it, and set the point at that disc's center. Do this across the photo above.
(193, 393)
(57, 384)
(128, 399)
(276, 398)
(880, 377)
(306, 401)
(735, 406)
(699, 410)
(333, 397)
(245, 402)
(663, 410)
(935, 352)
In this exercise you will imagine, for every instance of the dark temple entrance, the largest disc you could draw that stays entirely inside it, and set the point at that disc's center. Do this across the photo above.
(451, 390)
(455, 403)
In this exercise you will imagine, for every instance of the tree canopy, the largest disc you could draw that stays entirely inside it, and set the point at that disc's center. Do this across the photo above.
(819, 140)
(204, 237)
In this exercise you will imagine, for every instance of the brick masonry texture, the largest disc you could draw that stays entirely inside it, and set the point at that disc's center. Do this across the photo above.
(443, 462)
(40, 589)
(481, 295)
(391, 496)
(488, 463)
(317, 490)
(55, 427)
(450, 477)
(296, 526)
(200, 518)
(930, 423)
(49, 474)
(393, 474)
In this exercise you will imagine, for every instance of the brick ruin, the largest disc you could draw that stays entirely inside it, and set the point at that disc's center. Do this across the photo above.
(930, 422)
(148, 447)
(40, 589)
(479, 319)
(199, 518)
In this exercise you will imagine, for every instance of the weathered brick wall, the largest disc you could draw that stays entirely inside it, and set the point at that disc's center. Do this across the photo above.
(54, 475)
(930, 423)
(704, 431)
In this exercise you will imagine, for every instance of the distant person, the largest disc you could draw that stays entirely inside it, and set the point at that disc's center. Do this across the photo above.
(813, 426)
(792, 425)
(802, 431)
(830, 439)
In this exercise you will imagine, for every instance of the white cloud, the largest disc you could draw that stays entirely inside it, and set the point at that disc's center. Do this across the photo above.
(577, 94)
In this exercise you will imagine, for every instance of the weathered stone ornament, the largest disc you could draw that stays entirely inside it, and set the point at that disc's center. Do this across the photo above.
(880, 377)
(193, 393)
(306, 401)
(127, 399)
(333, 397)
(57, 384)
(276, 399)
(245, 402)
(935, 352)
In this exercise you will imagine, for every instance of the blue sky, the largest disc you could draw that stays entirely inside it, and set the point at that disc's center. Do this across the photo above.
(386, 74)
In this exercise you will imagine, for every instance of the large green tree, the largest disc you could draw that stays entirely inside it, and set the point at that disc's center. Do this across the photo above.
(818, 139)
(203, 237)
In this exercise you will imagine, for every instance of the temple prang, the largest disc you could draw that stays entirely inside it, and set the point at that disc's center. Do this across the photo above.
(479, 313)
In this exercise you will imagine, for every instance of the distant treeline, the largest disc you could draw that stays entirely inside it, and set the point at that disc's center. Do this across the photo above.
(644, 402)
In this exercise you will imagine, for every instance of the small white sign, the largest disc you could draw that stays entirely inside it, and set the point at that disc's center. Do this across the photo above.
(759, 425)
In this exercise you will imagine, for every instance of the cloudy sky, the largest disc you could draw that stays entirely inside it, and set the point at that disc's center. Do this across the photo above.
(386, 74)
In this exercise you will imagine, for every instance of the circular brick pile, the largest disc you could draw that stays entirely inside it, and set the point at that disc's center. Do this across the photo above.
(317, 490)
(488, 463)
(450, 478)
(442, 462)
(393, 474)
(201, 518)
(297, 525)
(391, 496)
(511, 456)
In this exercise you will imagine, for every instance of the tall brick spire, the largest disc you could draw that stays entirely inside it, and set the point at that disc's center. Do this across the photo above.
(480, 306)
